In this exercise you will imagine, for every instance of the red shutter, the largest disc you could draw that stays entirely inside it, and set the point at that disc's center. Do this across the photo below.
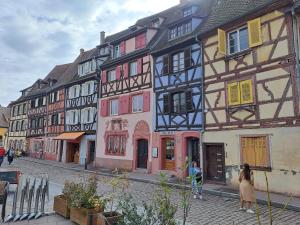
(104, 76)
(104, 107)
(140, 66)
(124, 104)
(122, 47)
(140, 41)
(146, 101)
(125, 70)
(118, 73)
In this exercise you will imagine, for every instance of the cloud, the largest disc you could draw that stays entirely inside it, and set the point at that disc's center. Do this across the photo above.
(36, 35)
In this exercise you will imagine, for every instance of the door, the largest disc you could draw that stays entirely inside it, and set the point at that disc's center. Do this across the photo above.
(193, 150)
(92, 151)
(215, 162)
(168, 156)
(142, 156)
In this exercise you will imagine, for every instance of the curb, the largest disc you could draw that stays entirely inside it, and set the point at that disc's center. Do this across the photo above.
(172, 185)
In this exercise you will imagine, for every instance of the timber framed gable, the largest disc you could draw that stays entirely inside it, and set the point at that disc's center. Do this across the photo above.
(268, 65)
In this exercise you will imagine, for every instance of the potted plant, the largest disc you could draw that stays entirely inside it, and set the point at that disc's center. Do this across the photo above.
(113, 217)
(60, 205)
(85, 203)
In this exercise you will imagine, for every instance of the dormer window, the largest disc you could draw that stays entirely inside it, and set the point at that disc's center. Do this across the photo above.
(187, 11)
(155, 22)
(117, 52)
(180, 30)
(87, 67)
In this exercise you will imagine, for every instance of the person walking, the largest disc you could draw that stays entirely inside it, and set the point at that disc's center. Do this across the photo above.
(196, 175)
(2, 155)
(246, 189)
(10, 155)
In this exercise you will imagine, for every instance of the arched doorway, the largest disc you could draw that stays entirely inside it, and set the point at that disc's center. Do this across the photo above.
(142, 153)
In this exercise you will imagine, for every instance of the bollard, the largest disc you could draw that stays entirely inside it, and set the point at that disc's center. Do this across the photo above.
(85, 164)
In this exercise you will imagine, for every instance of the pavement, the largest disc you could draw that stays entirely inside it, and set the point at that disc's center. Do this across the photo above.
(219, 206)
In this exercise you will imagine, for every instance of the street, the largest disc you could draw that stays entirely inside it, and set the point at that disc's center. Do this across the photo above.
(211, 210)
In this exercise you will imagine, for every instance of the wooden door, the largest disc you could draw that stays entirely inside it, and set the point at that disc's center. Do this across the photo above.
(215, 162)
(168, 149)
(142, 153)
(91, 151)
(193, 150)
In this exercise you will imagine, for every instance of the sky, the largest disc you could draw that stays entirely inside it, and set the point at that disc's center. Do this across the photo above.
(36, 35)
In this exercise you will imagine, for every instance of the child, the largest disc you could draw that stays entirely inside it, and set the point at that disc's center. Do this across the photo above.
(196, 174)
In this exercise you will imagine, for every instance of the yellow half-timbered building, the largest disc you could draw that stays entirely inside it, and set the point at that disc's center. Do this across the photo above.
(251, 95)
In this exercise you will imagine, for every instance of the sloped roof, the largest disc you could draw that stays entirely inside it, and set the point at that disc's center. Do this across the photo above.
(4, 116)
(174, 15)
(225, 11)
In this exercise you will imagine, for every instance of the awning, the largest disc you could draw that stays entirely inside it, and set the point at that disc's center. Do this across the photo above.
(71, 136)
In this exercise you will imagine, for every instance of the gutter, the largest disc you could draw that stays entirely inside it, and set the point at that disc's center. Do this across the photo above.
(296, 45)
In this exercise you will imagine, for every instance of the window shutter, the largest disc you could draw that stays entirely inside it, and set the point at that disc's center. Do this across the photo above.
(146, 101)
(124, 104)
(125, 70)
(118, 72)
(254, 32)
(50, 120)
(140, 66)
(140, 41)
(103, 77)
(233, 91)
(104, 107)
(59, 118)
(137, 42)
(222, 41)
(166, 99)
(189, 100)
(83, 116)
(166, 67)
(248, 150)
(246, 91)
(44, 100)
(57, 96)
(261, 152)
(187, 58)
(122, 48)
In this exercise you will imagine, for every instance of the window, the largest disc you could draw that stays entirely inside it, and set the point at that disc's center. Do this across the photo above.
(170, 149)
(73, 117)
(116, 145)
(17, 126)
(240, 93)
(87, 67)
(180, 30)
(40, 122)
(87, 88)
(54, 119)
(111, 75)
(255, 151)
(74, 91)
(53, 97)
(155, 22)
(1, 140)
(20, 109)
(24, 108)
(117, 52)
(235, 41)
(114, 107)
(33, 124)
(137, 103)
(87, 115)
(23, 125)
(238, 40)
(178, 62)
(133, 68)
(180, 102)
(187, 11)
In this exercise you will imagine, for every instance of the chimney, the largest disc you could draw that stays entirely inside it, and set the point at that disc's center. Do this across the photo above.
(102, 37)
(81, 51)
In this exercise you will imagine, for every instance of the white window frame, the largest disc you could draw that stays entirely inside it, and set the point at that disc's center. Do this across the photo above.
(238, 40)
(131, 72)
(114, 112)
(110, 74)
(117, 51)
(187, 11)
(137, 103)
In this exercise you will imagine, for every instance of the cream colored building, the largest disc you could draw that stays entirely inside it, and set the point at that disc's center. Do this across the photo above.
(252, 101)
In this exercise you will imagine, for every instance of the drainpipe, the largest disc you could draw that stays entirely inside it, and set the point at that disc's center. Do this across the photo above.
(296, 45)
(99, 82)
(202, 105)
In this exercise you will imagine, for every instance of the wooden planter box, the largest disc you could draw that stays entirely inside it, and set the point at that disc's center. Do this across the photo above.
(83, 216)
(105, 218)
(61, 207)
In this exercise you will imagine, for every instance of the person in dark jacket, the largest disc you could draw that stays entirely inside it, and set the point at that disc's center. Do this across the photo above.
(10, 155)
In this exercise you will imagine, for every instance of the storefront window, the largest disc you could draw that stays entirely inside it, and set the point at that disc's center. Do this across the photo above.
(116, 145)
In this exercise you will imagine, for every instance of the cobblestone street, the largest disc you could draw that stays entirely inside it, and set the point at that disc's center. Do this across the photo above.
(211, 210)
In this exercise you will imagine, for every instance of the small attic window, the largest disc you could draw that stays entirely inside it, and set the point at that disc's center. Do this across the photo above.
(189, 11)
(155, 22)
(133, 28)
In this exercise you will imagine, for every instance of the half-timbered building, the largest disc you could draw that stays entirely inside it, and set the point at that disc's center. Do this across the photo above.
(4, 125)
(81, 94)
(178, 78)
(251, 94)
(18, 124)
(39, 101)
